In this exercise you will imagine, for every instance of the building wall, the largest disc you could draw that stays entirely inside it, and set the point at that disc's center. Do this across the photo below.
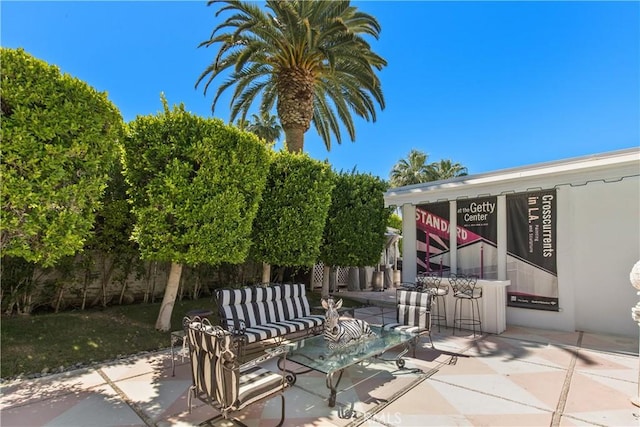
(598, 236)
(598, 244)
(605, 241)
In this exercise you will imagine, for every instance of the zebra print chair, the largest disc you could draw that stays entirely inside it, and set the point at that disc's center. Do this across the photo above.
(413, 314)
(218, 378)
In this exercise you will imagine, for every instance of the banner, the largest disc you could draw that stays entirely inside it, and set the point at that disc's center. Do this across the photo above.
(477, 253)
(531, 250)
(432, 235)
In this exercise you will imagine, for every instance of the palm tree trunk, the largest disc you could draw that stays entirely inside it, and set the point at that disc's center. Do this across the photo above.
(294, 139)
(164, 317)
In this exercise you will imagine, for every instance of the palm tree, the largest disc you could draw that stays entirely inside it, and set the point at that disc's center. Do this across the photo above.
(265, 126)
(445, 169)
(306, 57)
(413, 170)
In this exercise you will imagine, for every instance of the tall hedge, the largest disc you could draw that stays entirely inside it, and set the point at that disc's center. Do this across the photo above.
(288, 228)
(354, 234)
(195, 185)
(59, 141)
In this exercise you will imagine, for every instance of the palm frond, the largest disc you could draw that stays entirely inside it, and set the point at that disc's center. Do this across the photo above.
(309, 58)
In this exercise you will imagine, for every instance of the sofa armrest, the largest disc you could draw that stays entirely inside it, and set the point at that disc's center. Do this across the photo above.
(270, 353)
(235, 326)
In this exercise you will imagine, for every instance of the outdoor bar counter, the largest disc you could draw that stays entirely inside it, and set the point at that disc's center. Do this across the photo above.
(493, 305)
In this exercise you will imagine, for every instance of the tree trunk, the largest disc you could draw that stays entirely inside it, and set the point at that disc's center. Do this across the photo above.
(59, 298)
(266, 272)
(108, 266)
(294, 139)
(326, 272)
(164, 317)
(280, 275)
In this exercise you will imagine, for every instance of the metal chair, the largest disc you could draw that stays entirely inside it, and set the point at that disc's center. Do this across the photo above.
(432, 282)
(408, 286)
(218, 378)
(413, 315)
(464, 289)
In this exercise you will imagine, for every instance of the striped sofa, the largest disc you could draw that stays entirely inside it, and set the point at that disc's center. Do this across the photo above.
(258, 313)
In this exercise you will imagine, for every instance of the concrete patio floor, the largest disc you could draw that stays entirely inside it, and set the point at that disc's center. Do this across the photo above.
(523, 377)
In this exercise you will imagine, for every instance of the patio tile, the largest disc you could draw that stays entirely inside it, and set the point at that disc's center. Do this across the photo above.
(99, 406)
(592, 393)
(135, 366)
(510, 420)
(625, 417)
(622, 367)
(541, 335)
(156, 396)
(23, 392)
(610, 343)
(515, 378)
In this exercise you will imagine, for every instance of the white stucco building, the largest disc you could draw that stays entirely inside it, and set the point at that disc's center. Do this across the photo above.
(596, 238)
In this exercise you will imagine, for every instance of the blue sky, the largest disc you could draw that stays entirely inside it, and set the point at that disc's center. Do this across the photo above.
(491, 85)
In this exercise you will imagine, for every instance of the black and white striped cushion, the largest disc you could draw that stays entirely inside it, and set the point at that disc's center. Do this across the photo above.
(267, 312)
(210, 352)
(217, 378)
(257, 383)
(413, 312)
(276, 329)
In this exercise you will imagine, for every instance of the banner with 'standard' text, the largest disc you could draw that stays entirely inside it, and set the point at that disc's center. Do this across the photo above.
(432, 238)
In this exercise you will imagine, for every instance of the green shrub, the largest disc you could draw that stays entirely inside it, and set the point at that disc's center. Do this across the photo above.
(354, 234)
(59, 141)
(288, 228)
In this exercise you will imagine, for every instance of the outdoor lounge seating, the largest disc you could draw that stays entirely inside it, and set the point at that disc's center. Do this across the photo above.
(218, 378)
(413, 314)
(259, 313)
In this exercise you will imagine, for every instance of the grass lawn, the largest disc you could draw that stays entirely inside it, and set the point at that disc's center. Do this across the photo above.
(50, 343)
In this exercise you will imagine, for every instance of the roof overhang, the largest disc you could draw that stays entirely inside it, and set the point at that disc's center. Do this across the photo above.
(608, 167)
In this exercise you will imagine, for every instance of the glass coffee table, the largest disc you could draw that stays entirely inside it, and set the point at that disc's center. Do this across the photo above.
(315, 354)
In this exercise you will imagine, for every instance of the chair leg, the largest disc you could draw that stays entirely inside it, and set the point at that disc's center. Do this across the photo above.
(474, 322)
(479, 319)
(455, 315)
(190, 397)
(282, 416)
(437, 316)
(440, 317)
(444, 308)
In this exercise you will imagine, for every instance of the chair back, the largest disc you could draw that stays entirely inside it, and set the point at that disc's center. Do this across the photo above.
(414, 308)
(214, 366)
(464, 286)
(429, 280)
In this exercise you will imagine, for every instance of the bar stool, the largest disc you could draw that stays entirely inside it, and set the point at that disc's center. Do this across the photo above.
(432, 282)
(408, 286)
(464, 289)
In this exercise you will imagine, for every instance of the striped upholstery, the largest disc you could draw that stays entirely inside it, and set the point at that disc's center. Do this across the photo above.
(263, 312)
(413, 312)
(218, 379)
(210, 352)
